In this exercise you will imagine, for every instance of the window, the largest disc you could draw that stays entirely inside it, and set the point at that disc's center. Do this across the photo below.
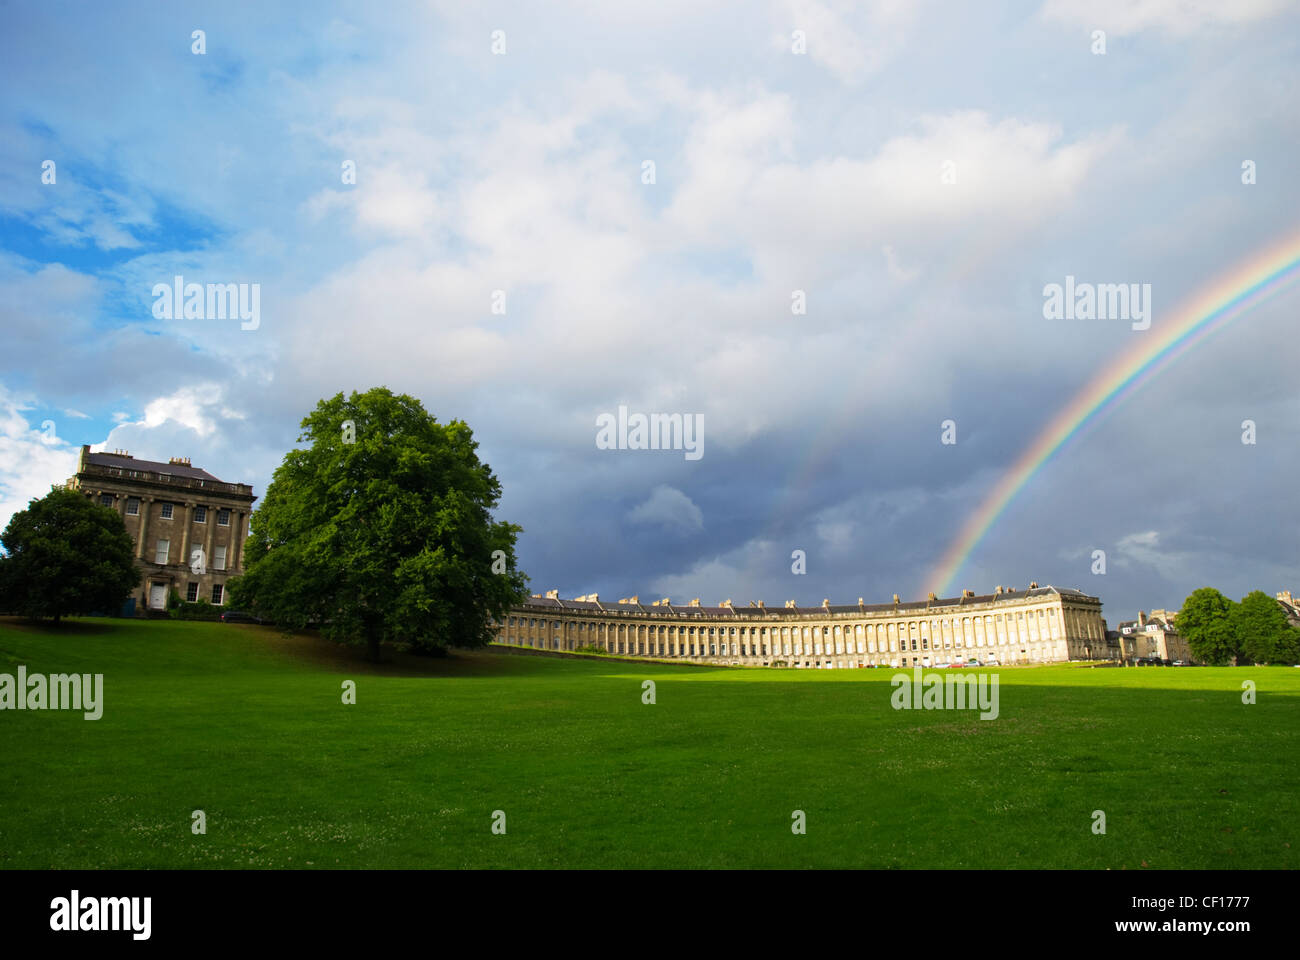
(217, 590)
(105, 499)
(223, 518)
(167, 511)
(219, 558)
(162, 551)
(192, 593)
(200, 514)
(133, 506)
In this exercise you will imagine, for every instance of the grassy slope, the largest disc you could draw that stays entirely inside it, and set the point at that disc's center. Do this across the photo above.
(248, 726)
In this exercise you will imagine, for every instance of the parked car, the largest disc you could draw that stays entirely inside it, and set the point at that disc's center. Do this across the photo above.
(239, 616)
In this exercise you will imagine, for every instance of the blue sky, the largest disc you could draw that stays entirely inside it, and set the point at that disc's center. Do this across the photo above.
(774, 172)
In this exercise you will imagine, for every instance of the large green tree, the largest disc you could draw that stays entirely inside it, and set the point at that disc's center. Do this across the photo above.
(381, 530)
(1206, 620)
(1263, 633)
(66, 556)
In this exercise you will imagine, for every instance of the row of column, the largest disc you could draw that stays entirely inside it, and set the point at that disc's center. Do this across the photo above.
(237, 516)
(974, 635)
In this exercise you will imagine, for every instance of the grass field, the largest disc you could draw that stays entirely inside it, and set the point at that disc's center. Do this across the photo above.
(248, 726)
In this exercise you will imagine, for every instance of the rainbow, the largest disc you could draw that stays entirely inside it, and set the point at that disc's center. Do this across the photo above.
(1250, 283)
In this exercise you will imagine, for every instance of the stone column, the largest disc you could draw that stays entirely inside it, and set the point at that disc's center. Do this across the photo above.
(186, 520)
(210, 537)
(207, 556)
(146, 504)
(233, 564)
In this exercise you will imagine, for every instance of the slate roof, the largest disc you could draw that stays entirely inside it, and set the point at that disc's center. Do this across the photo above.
(542, 604)
(130, 463)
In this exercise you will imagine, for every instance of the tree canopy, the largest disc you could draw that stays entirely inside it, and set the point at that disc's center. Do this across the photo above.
(380, 530)
(1206, 620)
(1263, 633)
(67, 556)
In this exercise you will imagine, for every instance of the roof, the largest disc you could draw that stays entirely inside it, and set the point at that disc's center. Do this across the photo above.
(130, 463)
(755, 612)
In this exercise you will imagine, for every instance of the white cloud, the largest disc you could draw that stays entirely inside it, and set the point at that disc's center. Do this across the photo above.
(850, 38)
(670, 509)
(719, 577)
(187, 407)
(896, 269)
(836, 536)
(194, 421)
(1179, 17)
(1142, 549)
(30, 462)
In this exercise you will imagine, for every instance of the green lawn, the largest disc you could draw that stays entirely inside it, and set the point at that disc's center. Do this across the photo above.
(248, 726)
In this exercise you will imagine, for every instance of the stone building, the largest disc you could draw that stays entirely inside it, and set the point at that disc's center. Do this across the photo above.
(1153, 638)
(1039, 625)
(188, 527)
(1290, 606)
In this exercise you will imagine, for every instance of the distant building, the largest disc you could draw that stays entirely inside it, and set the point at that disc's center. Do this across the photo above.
(1153, 637)
(1038, 625)
(1290, 606)
(188, 527)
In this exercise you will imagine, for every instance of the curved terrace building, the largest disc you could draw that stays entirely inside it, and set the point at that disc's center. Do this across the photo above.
(1038, 625)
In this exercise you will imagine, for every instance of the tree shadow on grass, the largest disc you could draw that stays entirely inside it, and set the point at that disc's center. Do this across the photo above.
(67, 627)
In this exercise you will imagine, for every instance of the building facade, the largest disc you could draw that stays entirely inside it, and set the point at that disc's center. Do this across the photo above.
(1039, 625)
(188, 526)
(1290, 606)
(1153, 638)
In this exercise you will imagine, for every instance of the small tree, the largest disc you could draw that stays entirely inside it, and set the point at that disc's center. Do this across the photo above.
(1206, 620)
(380, 530)
(67, 556)
(1262, 631)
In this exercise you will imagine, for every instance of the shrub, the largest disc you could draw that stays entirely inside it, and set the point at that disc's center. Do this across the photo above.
(199, 610)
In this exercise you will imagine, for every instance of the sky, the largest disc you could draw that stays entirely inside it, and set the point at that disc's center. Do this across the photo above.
(819, 229)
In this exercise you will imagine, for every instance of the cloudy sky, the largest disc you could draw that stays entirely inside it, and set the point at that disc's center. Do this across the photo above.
(653, 189)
